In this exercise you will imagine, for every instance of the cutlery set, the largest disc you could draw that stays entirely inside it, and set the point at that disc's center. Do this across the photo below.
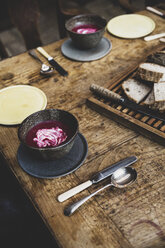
(155, 11)
(52, 62)
(154, 37)
(45, 70)
(121, 176)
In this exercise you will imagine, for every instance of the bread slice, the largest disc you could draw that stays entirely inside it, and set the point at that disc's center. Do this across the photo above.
(156, 98)
(151, 72)
(135, 90)
(159, 92)
(150, 100)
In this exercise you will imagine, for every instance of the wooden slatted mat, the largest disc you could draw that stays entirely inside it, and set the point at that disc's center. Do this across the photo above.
(145, 125)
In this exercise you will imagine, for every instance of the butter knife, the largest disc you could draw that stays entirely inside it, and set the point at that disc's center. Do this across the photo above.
(97, 178)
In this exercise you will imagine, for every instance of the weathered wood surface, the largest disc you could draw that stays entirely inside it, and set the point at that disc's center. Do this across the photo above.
(116, 218)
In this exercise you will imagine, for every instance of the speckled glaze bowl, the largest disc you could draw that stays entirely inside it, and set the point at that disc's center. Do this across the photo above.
(86, 41)
(49, 153)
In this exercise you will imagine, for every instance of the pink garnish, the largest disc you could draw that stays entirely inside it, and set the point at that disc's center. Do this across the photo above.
(50, 137)
(86, 30)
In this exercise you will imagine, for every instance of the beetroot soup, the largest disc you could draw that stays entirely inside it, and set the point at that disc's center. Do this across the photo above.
(47, 134)
(85, 29)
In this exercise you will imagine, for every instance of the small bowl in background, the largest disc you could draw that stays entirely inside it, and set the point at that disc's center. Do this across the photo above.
(89, 40)
(49, 153)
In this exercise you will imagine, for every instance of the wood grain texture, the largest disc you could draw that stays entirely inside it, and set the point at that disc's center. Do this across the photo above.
(132, 217)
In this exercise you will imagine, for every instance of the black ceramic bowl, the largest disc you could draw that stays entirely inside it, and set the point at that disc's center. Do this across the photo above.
(61, 116)
(86, 41)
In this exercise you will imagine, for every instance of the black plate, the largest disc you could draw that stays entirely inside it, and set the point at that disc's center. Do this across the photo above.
(70, 51)
(56, 168)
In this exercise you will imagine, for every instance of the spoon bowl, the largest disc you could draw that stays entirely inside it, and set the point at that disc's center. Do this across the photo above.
(121, 178)
(45, 69)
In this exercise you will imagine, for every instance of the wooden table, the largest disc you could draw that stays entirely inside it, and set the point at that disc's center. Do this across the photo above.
(132, 217)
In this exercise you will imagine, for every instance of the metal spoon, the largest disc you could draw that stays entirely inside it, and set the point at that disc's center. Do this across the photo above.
(45, 69)
(121, 178)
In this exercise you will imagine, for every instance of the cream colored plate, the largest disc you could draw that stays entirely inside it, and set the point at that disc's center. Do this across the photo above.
(131, 26)
(17, 102)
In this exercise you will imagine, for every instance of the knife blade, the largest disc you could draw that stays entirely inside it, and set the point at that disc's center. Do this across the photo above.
(108, 94)
(155, 11)
(52, 62)
(97, 178)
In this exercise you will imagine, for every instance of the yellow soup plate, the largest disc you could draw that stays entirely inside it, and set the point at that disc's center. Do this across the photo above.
(17, 102)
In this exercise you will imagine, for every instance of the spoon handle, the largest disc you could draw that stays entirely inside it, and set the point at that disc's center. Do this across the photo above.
(34, 55)
(72, 208)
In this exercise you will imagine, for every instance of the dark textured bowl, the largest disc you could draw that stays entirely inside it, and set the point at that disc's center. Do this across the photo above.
(50, 153)
(86, 41)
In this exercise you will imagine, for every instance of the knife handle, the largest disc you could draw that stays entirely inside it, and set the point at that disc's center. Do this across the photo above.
(153, 37)
(162, 39)
(57, 67)
(66, 195)
(43, 52)
(105, 92)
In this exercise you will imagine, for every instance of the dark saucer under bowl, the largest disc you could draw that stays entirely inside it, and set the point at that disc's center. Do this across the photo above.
(69, 50)
(37, 167)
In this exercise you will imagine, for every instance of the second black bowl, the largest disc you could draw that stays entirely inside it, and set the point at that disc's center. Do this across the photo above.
(90, 40)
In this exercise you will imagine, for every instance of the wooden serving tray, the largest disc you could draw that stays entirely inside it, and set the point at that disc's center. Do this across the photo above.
(145, 125)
